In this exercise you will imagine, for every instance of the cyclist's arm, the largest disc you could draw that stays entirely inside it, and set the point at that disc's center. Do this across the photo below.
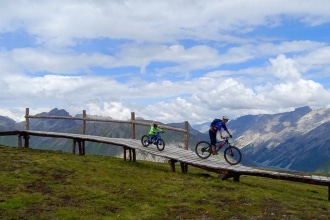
(228, 133)
(226, 129)
(220, 132)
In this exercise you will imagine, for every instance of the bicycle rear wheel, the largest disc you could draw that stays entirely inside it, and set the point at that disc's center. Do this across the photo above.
(203, 149)
(233, 155)
(160, 144)
(145, 140)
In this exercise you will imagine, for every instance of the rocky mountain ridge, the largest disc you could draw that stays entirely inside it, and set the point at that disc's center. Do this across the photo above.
(296, 140)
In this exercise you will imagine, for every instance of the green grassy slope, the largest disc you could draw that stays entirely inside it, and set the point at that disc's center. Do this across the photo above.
(40, 184)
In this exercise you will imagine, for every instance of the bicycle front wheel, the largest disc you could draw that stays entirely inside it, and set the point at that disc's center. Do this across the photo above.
(203, 149)
(145, 140)
(233, 155)
(160, 144)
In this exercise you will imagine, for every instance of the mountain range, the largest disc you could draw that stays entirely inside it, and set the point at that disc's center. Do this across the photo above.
(295, 141)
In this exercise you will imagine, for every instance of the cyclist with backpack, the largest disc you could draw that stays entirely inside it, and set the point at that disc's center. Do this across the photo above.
(217, 125)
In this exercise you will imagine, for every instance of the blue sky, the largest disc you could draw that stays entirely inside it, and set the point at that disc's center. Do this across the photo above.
(170, 61)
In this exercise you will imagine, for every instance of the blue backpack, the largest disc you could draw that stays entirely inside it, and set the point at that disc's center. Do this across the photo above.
(215, 121)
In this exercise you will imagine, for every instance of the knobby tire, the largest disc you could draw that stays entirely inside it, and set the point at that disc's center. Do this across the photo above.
(233, 155)
(160, 144)
(203, 149)
(145, 140)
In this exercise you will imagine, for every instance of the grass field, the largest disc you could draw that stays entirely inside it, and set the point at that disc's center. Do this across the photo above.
(39, 184)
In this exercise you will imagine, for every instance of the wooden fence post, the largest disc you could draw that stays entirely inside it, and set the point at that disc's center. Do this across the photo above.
(27, 124)
(133, 136)
(84, 122)
(133, 125)
(26, 140)
(19, 140)
(74, 142)
(186, 135)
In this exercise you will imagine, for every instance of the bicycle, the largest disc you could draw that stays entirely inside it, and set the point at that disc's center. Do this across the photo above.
(157, 140)
(232, 154)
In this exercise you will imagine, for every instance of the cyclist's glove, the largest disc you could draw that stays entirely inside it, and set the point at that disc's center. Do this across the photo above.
(231, 136)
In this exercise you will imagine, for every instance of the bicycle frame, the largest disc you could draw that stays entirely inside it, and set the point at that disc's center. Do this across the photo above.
(221, 144)
(231, 153)
(157, 136)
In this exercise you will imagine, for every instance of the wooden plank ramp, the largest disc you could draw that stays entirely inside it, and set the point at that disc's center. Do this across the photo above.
(175, 154)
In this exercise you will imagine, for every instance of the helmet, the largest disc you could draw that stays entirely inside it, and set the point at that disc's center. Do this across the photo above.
(225, 118)
(155, 123)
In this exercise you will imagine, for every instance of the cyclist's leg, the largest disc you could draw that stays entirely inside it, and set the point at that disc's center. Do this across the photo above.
(152, 137)
(213, 140)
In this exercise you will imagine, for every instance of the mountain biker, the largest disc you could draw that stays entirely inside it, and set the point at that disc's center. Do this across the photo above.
(153, 130)
(217, 125)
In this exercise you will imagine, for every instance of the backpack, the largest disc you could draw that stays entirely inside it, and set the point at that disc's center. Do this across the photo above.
(215, 121)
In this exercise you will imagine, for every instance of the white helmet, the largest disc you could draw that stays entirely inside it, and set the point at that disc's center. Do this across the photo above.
(225, 118)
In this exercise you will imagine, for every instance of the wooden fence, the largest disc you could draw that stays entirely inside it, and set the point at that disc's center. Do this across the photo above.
(132, 122)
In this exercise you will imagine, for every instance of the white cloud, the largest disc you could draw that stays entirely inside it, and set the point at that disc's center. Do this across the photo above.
(285, 68)
(165, 60)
